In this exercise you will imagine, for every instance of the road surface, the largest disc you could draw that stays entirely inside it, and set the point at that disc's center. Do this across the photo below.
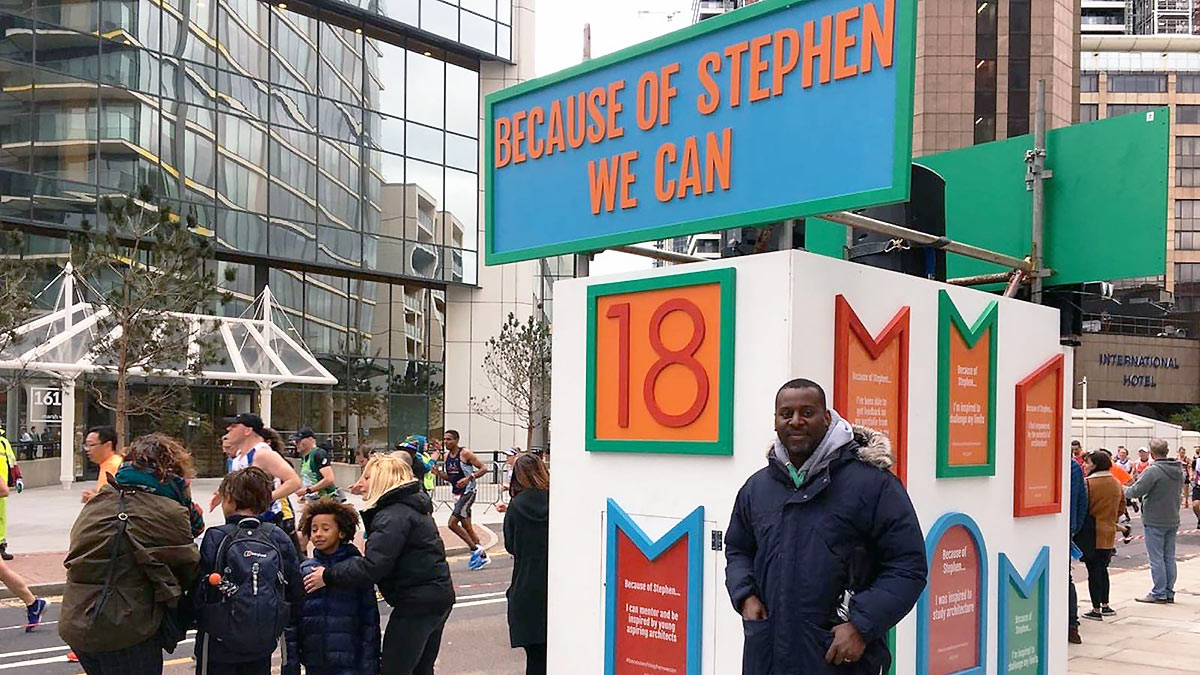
(475, 641)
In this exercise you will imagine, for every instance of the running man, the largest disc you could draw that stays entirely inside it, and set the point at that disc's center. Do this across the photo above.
(101, 447)
(316, 469)
(462, 484)
(245, 441)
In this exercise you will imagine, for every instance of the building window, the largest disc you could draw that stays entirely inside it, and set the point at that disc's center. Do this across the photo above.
(1089, 112)
(1018, 67)
(1089, 82)
(986, 37)
(1187, 224)
(1187, 83)
(1187, 161)
(1187, 286)
(1137, 83)
(1118, 109)
(1187, 114)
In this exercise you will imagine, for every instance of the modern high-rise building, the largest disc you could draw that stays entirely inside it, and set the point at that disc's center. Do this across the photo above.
(1162, 17)
(332, 149)
(978, 64)
(706, 9)
(1105, 17)
(1133, 74)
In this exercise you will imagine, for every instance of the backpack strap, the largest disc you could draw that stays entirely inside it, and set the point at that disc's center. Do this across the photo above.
(114, 552)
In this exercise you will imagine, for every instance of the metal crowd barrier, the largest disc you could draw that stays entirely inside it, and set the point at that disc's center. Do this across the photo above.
(488, 492)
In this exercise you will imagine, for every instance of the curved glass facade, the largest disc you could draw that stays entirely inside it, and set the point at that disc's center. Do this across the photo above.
(335, 155)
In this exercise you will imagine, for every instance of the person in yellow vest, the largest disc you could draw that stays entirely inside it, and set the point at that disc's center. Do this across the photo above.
(8, 460)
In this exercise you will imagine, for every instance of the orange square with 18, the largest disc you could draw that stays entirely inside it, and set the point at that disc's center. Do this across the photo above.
(658, 365)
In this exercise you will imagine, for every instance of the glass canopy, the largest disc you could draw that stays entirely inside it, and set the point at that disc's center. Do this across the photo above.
(249, 348)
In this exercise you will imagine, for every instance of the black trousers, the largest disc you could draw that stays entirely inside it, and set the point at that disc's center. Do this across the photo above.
(411, 643)
(1072, 601)
(140, 659)
(1097, 569)
(535, 659)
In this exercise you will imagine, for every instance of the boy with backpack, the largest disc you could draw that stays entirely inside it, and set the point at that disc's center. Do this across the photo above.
(338, 629)
(250, 588)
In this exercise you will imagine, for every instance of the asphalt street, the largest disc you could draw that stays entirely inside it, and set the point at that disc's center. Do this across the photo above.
(475, 640)
(1132, 555)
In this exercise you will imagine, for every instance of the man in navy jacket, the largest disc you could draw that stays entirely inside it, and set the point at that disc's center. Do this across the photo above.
(824, 554)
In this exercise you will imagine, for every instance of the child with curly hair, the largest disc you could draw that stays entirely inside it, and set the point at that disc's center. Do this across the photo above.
(338, 632)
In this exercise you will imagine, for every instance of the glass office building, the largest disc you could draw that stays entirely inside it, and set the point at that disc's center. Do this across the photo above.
(331, 149)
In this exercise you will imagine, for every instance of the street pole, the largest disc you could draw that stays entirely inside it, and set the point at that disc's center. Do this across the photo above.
(583, 261)
(1085, 414)
(1035, 175)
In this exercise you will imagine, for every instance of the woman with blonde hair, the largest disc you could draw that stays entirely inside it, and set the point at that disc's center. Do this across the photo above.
(405, 558)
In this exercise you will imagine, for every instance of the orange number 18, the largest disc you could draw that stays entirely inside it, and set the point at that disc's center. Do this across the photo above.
(685, 357)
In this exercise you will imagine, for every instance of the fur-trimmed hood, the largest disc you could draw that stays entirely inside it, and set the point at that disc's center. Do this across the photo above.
(874, 448)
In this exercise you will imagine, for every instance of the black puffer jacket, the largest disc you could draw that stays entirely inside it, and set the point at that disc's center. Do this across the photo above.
(849, 526)
(526, 537)
(338, 633)
(405, 556)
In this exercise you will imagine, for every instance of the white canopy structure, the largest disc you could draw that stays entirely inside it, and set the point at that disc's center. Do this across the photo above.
(250, 348)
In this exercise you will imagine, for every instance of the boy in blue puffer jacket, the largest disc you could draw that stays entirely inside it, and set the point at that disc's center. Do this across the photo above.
(338, 631)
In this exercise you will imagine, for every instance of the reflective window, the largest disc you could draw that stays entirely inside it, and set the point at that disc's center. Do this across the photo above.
(1187, 224)
(288, 137)
(1187, 114)
(429, 106)
(1118, 109)
(1187, 83)
(1089, 112)
(1089, 82)
(986, 37)
(1187, 161)
(1139, 83)
(439, 18)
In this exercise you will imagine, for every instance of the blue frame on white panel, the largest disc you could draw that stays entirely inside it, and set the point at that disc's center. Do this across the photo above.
(692, 525)
(1038, 575)
(939, 528)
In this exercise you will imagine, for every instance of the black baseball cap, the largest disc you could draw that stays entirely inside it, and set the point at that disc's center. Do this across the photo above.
(303, 433)
(249, 420)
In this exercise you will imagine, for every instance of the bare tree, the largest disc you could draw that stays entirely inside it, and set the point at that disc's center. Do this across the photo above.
(148, 265)
(517, 365)
(17, 274)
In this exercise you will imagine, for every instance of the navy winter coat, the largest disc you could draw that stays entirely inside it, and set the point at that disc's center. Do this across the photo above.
(338, 631)
(850, 526)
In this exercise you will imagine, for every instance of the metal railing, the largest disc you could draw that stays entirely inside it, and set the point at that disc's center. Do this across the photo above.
(1135, 325)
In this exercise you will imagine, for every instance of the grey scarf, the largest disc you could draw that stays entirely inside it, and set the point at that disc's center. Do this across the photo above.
(840, 432)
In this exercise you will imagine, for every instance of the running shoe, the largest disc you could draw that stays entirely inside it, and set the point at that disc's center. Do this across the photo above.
(474, 563)
(34, 614)
(475, 555)
(1094, 615)
(1108, 611)
(483, 562)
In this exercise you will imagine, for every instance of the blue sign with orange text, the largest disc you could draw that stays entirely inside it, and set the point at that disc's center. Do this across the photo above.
(781, 109)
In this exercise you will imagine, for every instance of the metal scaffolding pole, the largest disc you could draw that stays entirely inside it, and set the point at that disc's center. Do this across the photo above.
(861, 222)
(1035, 177)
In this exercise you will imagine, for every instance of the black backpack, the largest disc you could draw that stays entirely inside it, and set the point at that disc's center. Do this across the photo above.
(247, 610)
